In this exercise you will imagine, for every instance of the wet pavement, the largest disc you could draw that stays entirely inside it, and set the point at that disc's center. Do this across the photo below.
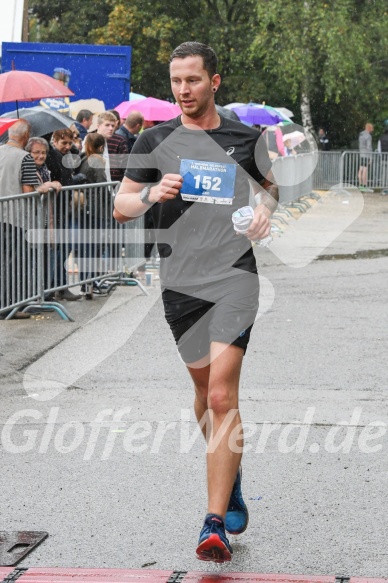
(99, 443)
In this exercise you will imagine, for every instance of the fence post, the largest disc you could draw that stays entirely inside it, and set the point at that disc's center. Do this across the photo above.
(342, 169)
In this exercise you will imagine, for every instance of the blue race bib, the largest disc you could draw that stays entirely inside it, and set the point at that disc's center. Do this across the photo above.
(209, 182)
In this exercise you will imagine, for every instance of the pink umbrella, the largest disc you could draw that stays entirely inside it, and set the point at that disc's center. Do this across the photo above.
(151, 108)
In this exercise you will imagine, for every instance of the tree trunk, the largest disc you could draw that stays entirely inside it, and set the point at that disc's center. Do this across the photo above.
(305, 111)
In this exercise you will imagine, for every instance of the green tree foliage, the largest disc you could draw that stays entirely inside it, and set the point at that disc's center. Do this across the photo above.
(155, 28)
(332, 51)
(66, 21)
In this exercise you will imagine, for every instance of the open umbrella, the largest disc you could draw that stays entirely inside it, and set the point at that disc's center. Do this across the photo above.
(29, 86)
(258, 114)
(294, 138)
(43, 121)
(5, 124)
(151, 108)
(285, 111)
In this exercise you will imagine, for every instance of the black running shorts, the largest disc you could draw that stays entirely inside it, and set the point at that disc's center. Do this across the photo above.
(223, 311)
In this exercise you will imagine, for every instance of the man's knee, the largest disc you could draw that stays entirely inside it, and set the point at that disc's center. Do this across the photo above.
(221, 399)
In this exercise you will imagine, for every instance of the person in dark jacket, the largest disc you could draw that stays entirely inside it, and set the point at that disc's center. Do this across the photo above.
(62, 169)
(130, 128)
(93, 209)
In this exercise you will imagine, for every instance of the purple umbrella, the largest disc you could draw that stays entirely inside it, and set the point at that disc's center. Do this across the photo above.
(257, 114)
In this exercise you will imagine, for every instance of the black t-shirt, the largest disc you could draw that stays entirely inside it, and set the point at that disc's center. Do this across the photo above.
(196, 240)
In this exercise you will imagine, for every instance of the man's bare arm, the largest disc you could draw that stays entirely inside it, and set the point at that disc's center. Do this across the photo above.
(128, 205)
(267, 197)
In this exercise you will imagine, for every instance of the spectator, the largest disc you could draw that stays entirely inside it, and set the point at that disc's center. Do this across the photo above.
(365, 147)
(62, 142)
(118, 150)
(106, 124)
(38, 148)
(382, 147)
(93, 210)
(324, 143)
(288, 149)
(131, 128)
(274, 139)
(77, 141)
(117, 116)
(83, 122)
(62, 170)
(17, 176)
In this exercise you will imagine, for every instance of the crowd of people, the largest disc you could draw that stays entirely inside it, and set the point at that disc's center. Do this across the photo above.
(31, 163)
(36, 163)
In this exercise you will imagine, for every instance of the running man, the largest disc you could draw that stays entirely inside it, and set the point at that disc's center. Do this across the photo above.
(208, 273)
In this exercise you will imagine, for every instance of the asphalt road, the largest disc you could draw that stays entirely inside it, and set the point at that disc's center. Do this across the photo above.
(98, 435)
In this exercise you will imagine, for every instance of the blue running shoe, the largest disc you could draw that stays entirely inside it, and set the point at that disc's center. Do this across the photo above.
(236, 520)
(213, 544)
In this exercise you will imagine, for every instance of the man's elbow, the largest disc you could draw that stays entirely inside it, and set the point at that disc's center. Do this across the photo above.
(120, 218)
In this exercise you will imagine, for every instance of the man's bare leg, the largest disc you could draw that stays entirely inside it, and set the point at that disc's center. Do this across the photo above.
(216, 387)
(363, 175)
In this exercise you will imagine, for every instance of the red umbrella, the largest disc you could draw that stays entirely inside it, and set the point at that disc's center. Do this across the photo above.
(151, 108)
(28, 86)
(5, 124)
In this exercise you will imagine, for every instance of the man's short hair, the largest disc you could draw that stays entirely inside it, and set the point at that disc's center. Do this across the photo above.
(83, 114)
(115, 113)
(62, 134)
(133, 119)
(106, 116)
(19, 129)
(194, 48)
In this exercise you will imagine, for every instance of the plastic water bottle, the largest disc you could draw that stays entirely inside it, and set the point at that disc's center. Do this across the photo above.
(242, 219)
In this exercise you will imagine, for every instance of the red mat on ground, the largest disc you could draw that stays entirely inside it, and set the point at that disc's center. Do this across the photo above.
(366, 580)
(57, 575)
(4, 571)
(253, 578)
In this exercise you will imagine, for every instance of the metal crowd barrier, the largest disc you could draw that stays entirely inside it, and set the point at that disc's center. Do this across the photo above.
(327, 171)
(295, 169)
(377, 165)
(43, 237)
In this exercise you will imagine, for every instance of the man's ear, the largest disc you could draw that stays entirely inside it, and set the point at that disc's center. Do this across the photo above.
(216, 82)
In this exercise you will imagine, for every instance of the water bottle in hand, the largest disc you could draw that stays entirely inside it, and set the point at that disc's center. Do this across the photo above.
(242, 219)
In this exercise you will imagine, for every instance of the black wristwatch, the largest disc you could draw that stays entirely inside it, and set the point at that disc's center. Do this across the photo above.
(145, 193)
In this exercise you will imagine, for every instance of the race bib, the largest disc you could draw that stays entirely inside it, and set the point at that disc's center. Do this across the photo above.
(210, 182)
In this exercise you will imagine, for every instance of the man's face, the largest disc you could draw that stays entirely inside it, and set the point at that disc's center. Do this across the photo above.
(106, 128)
(191, 85)
(87, 122)
(321, 133)
(63, 145)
